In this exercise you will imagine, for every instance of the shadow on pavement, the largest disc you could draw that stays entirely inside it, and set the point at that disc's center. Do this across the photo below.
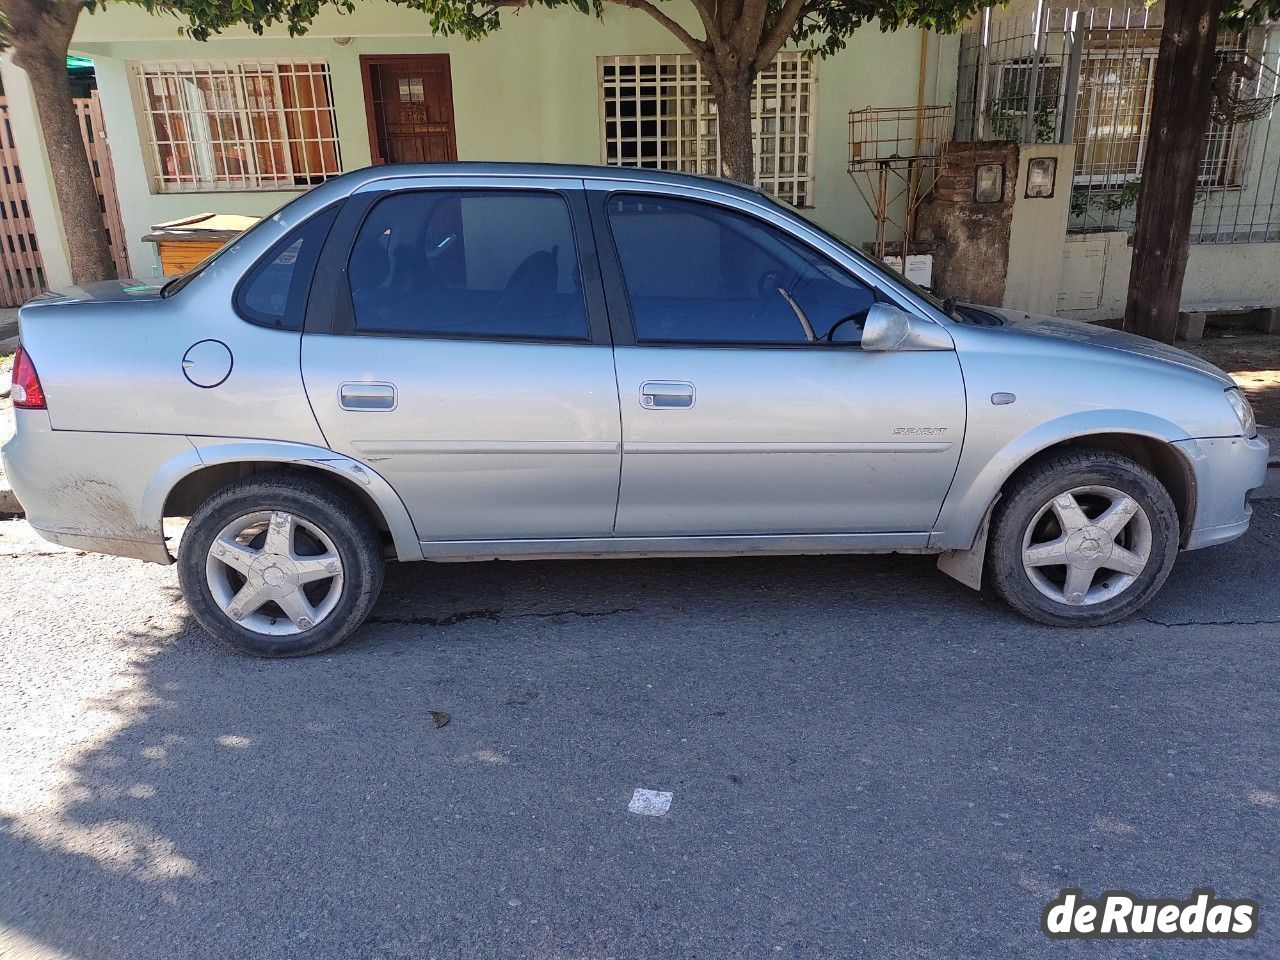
(866, 760)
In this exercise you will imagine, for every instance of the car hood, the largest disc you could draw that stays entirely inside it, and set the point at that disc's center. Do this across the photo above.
(103, 291)
(1105, 337)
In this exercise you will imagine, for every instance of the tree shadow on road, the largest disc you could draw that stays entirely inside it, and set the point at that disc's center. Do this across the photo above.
(866, 760)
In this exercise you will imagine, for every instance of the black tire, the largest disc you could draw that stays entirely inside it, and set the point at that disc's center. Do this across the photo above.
(1034, 490)
(333, 511)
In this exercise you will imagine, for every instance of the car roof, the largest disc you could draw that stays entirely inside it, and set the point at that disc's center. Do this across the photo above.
(582, 171)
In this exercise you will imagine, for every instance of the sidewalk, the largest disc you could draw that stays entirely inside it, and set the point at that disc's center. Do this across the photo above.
(8, 331)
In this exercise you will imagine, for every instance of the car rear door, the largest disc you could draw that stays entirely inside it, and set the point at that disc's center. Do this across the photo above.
(733, 422)
(456, 342)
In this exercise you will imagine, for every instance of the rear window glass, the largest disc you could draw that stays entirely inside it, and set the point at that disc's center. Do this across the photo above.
(488, 264)
(274, 292)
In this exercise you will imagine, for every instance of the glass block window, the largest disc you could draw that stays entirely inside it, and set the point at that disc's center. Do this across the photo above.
(238, 125)
(657, 111)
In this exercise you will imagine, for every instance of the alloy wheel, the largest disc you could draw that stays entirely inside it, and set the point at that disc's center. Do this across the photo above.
(274, 573)
(1087, 545)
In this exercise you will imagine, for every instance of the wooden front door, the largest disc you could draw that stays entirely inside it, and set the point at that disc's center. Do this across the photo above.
(409, 103)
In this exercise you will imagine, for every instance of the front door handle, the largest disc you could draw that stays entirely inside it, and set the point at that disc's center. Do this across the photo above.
(666, 394)
(367, 396)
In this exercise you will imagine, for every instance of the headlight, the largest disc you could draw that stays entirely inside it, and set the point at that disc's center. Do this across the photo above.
(1244, 412)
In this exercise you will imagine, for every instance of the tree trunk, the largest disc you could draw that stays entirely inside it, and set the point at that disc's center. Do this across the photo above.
(41, 34)
(733, 91)
(1180, 105)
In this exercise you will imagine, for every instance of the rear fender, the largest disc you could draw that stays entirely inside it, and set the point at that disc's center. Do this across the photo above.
(215, 451)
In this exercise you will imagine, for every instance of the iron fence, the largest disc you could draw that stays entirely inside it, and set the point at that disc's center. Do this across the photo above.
(1085, 77)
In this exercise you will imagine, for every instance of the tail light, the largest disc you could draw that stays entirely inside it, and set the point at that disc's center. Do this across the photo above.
(27, 393)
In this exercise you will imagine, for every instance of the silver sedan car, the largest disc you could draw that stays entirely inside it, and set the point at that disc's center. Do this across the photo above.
(476, 361)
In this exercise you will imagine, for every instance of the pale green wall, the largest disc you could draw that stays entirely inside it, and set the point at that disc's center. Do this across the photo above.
(528, 92)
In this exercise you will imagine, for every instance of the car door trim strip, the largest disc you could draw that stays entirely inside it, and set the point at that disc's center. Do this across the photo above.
(653, 446)
(408, 447)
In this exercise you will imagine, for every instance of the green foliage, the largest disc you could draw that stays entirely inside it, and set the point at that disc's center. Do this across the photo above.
(1084, 199)
(1005, 120)
(827, 28)
(204, 18)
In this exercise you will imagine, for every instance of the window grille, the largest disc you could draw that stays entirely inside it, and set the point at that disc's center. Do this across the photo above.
(238, 125)
(658, 112)
(1113, 115)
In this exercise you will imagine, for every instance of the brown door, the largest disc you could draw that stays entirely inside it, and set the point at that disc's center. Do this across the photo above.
(409, 102)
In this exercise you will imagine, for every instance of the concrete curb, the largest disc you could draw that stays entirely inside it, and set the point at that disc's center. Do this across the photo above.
(1272, 436)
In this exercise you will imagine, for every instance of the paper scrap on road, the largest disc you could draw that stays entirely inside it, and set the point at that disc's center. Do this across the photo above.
(649, 803)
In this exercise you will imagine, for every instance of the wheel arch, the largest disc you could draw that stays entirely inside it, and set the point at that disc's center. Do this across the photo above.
(1169, 465)
(183, 484)
(961, 532)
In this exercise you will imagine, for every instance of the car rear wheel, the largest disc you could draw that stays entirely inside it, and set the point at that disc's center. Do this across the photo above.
(1084, 538)
(280, 565)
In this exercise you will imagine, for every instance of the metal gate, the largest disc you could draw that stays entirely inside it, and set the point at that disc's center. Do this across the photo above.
(21, 267)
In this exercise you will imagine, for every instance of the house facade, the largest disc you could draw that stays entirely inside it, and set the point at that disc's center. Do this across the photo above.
(241, 124)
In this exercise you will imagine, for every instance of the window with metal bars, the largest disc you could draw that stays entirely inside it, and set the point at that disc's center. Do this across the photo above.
(657, 111)
(1113, 114)
(238, 125)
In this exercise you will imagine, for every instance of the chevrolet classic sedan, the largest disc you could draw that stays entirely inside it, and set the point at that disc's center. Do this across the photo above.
(476, 361)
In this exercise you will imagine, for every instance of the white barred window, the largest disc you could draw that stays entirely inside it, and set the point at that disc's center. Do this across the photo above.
(657, 111)
(238, 125)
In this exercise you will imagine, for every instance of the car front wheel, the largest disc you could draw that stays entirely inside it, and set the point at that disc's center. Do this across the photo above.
(280, 565)
(1084, 538)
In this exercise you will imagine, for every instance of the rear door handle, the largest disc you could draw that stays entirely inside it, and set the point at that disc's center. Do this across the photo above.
(666, 394)
(367, 396)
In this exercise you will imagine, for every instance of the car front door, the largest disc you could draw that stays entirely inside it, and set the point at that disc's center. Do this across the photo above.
(734, 422)
(456, 342)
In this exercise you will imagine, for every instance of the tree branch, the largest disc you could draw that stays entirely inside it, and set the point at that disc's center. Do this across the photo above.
(777, 32)
(749, 27)
(696, 47)
(707, 13)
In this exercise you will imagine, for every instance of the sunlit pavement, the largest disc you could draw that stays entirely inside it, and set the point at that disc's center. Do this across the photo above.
(864, 760)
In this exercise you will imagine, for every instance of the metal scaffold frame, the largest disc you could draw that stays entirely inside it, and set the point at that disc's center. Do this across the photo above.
(894, 162)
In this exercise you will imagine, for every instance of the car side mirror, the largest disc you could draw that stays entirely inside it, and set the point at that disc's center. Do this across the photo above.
(886, 328)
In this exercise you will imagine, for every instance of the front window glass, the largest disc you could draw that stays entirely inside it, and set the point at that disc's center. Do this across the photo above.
(697, 273)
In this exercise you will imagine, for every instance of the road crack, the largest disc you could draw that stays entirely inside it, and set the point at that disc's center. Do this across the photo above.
(1210, 623)
(454, 619)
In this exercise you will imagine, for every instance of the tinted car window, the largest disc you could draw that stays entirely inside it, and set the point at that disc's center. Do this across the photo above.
(698, 273)
(274, 292)
(492, 264)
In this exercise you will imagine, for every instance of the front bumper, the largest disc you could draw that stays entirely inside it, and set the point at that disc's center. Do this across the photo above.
(1226, 469)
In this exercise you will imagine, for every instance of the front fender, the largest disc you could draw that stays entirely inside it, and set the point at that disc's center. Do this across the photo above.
(989, 459)
(215, 451)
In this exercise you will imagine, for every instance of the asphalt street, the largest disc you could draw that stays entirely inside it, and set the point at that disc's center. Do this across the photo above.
(864, 758)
